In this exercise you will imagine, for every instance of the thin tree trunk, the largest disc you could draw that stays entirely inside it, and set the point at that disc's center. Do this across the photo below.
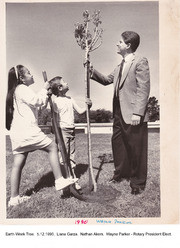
(87, 78)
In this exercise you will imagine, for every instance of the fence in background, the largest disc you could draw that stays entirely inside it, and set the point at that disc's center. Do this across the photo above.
(105, 128)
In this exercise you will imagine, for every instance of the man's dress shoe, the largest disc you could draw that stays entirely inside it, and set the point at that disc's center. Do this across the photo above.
(135, 191)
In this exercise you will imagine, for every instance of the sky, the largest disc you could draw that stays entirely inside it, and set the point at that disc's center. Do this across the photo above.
(40, 36)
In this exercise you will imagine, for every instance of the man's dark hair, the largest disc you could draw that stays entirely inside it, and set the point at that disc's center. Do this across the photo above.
(54, 85)
(132, 38)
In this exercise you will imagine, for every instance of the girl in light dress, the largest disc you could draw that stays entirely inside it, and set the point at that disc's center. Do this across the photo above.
(25, 135)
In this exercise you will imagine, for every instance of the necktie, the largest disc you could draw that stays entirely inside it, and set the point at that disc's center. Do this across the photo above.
(120, 75)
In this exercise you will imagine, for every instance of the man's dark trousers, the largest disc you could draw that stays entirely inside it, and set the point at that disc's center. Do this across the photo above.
(129, 145)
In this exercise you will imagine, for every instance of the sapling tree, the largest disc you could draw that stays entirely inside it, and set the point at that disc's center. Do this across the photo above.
(88, 35)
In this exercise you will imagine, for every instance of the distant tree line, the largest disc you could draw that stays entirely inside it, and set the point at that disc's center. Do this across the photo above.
(44, 116)
(101, 115)
(96, 116)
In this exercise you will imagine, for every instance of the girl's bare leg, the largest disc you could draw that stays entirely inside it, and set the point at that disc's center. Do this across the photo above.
(60, 181)
(54, 159)
(19, 162)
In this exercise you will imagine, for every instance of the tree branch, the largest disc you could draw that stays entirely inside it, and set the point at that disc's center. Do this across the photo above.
(97, 38)
(93, 49)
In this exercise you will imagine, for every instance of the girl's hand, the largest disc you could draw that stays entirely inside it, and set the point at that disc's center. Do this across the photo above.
(46, 85)
(49, 92)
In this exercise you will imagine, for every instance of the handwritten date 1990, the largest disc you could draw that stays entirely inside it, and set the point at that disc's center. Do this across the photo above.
(81, 221)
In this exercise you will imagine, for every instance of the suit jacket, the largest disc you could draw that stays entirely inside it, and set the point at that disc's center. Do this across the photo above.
(134, 87)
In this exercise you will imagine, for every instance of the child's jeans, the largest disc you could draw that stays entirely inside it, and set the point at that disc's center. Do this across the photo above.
(69, 140)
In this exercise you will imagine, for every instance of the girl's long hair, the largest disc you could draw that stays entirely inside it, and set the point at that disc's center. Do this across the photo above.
(13, 81)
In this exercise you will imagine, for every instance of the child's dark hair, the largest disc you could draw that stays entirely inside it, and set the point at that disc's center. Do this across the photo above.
(54, 85)
(13, 80)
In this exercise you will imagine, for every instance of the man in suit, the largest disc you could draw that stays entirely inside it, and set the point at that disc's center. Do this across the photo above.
(131, 81)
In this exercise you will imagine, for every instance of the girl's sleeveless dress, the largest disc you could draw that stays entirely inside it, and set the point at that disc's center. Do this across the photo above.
(25, 134)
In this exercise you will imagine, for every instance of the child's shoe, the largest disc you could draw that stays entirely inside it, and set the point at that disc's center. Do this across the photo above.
(77, 186)
(14, 201)
(61, 192)
(62, 182)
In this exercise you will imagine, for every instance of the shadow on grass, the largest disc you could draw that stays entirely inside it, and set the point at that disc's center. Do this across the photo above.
(47, 180)
(103, 194)
(105, 158)
(81, 169)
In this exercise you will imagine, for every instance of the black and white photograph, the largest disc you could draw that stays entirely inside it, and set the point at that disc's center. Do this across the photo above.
(83, 120)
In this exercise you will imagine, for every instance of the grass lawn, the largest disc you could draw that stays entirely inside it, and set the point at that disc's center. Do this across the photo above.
(110, 200)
